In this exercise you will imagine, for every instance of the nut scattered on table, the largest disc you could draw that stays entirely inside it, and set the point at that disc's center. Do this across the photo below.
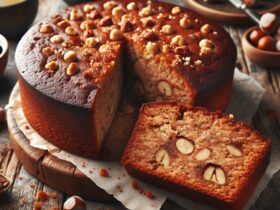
(75, 203)
(269, 22)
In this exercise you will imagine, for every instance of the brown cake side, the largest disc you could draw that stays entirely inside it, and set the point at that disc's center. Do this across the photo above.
(74, 60)
(200, 155)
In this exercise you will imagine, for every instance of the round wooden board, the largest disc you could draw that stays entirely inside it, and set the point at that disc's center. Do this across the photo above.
(227, 13)
(56, 173)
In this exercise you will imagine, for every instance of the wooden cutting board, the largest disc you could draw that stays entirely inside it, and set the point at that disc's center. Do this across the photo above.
(227, 13)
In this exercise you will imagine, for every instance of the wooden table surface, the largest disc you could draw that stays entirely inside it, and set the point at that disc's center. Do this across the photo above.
(25, 188)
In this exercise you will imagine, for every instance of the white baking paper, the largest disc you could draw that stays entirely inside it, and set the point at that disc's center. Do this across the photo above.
(247, 94)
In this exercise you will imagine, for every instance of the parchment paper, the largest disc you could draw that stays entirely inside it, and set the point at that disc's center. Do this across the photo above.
(247, 94)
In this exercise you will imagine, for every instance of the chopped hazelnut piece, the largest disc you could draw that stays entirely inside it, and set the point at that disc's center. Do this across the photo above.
(117, 11)
(176, 10)
(152, 48)
(126, 26)
(94, 14)
(63, 24)
(206, 43)
(72, 69)
(88, 8)
(51, 66)
(185, 22)
(70, 56)
(150, 35)
(46, 28)
(70, 31)
(198, 63)
(131, 6)
(148, 22)
(91, 42)
(87, 24)
(109, 5)
(165, 48)
(116, 35)
(75, 15)
(56, 39)
(178, 40)
(47, 51)
(146, 11)
(205, 29)
(206, 51)
(104, 48)
(167, 29)
(182, 50)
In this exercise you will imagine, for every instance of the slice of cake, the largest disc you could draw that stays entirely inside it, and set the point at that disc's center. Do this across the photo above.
(203, 156)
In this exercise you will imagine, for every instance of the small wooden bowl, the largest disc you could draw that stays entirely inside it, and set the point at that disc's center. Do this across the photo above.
(265, 58)
(3, 53)
(16, 18)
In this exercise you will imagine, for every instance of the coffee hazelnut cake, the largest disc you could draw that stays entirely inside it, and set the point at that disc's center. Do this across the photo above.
(71, 66)
(201, 155)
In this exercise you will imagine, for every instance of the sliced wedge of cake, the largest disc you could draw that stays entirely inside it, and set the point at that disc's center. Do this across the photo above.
(201, 155)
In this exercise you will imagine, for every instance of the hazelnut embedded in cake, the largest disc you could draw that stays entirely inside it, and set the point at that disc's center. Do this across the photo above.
(77, 66)
(200, 155)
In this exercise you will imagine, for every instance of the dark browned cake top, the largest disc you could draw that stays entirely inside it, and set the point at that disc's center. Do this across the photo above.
(67, 56)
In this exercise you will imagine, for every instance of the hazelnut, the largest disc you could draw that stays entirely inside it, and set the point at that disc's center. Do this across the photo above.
(150, 35)
(148, 22)
(63, 24)
(215, 174)
(74, 203)
(117, 11)
(205, 29)
(126, 26)
(56, 39)
(91, 42)
(164, 87)
(162, 157)
(185, 22)
(106, 21)
(206, 51)
(202, 154)
(70, 56)
(182, 50)
(256, 35)
(94, 14)
(88, 8)
(87, 24)
(2, 114)
(70, 31)
(131, 6)
(233, 150)
(165, 48)
(46, 28)
(178, 40)
(198, 63)
(116, 35)
(105, 48)
(72, 69)
(278, 45)
(184, 146)
(206, 43)
(266, 43)
(88, 33)
(75, 15)
(47, 51)
(152, 48)
(175, 10)
(109, 5)
(269, 23)
(52, 66)
(146, 11)
(167, 29)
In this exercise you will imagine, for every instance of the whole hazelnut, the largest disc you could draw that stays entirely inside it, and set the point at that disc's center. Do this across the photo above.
(269, 23)
(256, 35)
(266, 43)
(75, 203)
(2, 114)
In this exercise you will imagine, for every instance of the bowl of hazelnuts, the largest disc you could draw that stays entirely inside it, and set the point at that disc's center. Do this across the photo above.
(261, 44)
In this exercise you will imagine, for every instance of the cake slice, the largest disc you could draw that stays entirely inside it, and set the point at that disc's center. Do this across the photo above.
(200, 155)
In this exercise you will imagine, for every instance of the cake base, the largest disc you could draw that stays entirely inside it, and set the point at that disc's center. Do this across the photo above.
(58, 174)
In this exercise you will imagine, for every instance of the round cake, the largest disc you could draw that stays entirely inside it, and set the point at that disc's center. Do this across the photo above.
(73, 66)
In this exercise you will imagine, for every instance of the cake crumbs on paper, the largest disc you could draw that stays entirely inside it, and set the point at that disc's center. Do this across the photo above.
(90, 171)
(104, 172)
(119, 188)
(148, 194)
(84, 164)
